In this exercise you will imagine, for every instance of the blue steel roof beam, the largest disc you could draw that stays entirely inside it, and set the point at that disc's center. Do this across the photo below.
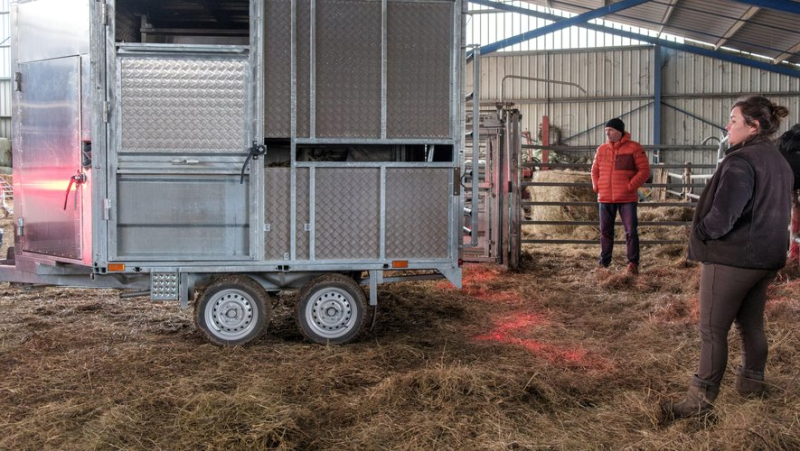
(713, 37)
(786, 6)
(718, 54)
(559, 25)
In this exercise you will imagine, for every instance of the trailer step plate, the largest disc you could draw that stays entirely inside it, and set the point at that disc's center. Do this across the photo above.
(164, 286)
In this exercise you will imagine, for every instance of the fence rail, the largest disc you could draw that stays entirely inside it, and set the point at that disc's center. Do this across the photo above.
(681, 184)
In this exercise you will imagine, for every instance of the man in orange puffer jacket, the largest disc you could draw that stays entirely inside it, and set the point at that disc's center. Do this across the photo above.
(620, 167)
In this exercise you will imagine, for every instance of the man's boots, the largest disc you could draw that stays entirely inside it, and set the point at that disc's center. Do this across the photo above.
(750, 383)
(698, 401)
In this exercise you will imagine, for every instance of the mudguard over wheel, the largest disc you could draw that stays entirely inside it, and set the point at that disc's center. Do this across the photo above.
(331, 309)
(233, 310)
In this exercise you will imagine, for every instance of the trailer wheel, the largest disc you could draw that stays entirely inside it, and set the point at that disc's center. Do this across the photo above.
(233, 311)
(331, 309)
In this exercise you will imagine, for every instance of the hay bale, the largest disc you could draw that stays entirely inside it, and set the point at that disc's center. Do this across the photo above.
(680, 233)
(562, 212)
(590, 213)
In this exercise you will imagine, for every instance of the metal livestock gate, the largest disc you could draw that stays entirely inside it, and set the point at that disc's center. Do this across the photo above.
(322, 154)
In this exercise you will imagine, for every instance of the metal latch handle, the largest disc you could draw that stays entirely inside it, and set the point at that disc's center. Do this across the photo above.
(256, 150)
(77, 179)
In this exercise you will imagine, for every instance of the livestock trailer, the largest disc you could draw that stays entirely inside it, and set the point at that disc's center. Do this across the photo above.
(218, 152)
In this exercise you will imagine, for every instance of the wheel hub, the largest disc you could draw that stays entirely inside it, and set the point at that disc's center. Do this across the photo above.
(331, 311)
(232, 313)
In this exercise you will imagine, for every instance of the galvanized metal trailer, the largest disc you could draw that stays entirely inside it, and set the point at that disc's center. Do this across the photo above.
(321, 155)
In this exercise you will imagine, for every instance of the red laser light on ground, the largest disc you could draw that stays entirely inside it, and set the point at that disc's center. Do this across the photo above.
(508, 331)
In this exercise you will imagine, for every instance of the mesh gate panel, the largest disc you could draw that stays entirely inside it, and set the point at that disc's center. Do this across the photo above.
(277, 68)
(348, 69)
(347, 207)
(417, 211)
(278, 213)
(277, 202)
(418, 78)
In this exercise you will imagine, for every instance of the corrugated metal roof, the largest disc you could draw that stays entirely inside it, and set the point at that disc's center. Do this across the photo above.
(738, 25)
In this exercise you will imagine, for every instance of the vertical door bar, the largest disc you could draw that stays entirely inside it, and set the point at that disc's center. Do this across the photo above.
(312, 213)
(382, 214)
(384, 63)
(257, 83)
(293, 171)
(312, 108)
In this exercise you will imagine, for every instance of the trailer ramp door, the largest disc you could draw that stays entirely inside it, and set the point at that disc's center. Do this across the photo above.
(181, 143)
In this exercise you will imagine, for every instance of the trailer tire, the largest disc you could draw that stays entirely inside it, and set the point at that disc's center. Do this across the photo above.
(331, 309)
(233, 310)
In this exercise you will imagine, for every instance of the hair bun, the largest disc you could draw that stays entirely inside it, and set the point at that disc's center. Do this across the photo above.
(780, 112)
(761, 110)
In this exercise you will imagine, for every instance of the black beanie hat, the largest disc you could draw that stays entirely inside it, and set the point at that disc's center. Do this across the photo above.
(616, 124)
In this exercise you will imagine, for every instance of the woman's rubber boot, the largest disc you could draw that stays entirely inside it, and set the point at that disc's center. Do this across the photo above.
(750, 383)
(698, 401)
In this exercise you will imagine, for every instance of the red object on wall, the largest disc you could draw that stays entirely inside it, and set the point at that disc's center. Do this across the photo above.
(545, 141)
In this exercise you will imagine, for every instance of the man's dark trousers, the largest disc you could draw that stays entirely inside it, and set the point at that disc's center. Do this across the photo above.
(627, 212)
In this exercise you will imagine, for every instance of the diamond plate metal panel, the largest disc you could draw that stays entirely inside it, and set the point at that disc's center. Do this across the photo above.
(164, 286)
(303, 215)
(347, 216)
(277, 68)
(348, 69)
(417, 212)
(303, 69)
(418, 72)
(182, 104)
(277, 213)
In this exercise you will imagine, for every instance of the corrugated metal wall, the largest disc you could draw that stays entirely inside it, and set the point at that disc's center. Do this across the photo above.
(5, 69)
(620, 82)
(707, 87)
(608, 83)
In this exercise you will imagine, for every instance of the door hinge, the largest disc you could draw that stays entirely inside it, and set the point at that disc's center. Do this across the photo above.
(106, 209)
(17, 81)
(105, 112)
(20, 227)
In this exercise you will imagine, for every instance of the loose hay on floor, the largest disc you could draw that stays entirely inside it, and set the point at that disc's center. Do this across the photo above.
(564, 359)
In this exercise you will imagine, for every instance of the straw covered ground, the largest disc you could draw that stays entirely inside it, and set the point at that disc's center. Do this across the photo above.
(558, 355)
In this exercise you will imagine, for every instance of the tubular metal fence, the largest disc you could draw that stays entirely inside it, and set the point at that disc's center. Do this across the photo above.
(678, 180)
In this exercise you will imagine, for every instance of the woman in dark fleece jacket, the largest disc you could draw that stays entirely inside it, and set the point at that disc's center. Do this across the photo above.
(739, 234)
